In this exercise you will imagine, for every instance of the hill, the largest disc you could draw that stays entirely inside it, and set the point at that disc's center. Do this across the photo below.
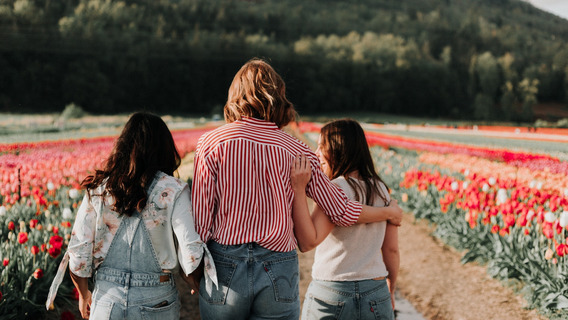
(483, 59)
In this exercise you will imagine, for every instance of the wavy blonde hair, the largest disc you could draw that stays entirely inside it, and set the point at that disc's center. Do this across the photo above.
(258, 91)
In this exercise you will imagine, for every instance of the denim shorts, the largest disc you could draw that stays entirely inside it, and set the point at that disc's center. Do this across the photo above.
(254, 283)
(348, 300)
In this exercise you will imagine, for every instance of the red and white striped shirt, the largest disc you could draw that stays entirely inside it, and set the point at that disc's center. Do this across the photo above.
(241, 189)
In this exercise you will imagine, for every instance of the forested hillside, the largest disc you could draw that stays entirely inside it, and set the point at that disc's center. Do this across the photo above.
(483, 59)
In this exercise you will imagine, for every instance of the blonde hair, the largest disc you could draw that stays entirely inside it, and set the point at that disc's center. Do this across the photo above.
(258, 91)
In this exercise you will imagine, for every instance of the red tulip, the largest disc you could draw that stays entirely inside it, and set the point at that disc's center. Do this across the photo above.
(548, 230)
(75, 294)
(561, 249)
(22, 237)
(33, 223)
(38, 273)
(54, 252)
(66, 315)
(5, 262)
(56, 241)
(495, 229)
(11, 225)
(35, 250)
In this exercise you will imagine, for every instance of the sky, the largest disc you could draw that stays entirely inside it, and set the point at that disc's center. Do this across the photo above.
(557, 7)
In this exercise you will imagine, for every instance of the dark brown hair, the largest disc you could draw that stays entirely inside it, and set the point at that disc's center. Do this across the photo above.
(344, 146)
(144, 147)
(258, 91)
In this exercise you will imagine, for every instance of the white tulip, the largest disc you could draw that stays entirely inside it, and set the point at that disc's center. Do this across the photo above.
(2, 211)
(47, 213)
(73, 193)
(466, 172)
(485, 187)
(564, 219)
(67, 213)
(549, 217)
(532, 184)
(455, 185)
(539, 185)
(502, 196)
(465, 185)
(50, 186)
(566, 192)
(492, 181)
(530, 215)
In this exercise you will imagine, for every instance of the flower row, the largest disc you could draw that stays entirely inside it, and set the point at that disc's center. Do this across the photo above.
(51, 165)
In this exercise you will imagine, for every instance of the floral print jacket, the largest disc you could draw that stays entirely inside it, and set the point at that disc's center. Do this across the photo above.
(167, 213)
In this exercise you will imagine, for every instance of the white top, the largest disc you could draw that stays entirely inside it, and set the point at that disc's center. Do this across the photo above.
(167, 213)
(352, 253)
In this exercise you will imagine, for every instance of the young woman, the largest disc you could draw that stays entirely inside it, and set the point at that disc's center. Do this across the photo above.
(242, 201)
(133, 229)
(351, 264)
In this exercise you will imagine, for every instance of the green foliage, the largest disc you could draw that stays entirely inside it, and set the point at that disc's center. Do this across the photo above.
(72, 111)
(516, 258)
(407, 57)
(23, 292)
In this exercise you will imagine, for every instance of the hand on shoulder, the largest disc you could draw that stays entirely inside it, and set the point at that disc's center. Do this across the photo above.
(300, 173)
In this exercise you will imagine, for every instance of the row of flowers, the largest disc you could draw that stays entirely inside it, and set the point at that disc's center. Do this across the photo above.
(518, 159)
(519, 232)
(32, 172)
(516, 227)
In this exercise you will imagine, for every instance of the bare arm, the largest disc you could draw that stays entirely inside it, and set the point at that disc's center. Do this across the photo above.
(82, 285)
(309, 230)
(392, 213)
(391, 257)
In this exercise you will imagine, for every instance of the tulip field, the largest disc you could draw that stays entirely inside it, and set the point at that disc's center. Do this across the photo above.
(39, 195)
(504, 208)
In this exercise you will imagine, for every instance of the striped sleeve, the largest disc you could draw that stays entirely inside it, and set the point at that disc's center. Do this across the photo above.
(203, 194)
(342, 211)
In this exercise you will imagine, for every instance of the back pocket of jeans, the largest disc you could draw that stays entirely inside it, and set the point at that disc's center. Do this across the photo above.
(382, 309)
(321, 309)
(225, 272)
(101, 310)
(284, 275)
(170, 311)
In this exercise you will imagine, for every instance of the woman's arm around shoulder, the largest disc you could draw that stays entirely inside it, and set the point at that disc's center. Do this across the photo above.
(391, 213)
(309, 230)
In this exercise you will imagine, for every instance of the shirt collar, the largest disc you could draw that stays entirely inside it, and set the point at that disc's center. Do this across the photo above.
(258, 123)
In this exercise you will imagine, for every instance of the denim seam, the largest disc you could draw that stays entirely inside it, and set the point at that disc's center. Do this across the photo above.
(338, 304)
(149, 238)
(342, 293)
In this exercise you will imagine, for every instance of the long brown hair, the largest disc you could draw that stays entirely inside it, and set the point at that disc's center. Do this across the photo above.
(145, 146)
(344, 146)
(258, 91)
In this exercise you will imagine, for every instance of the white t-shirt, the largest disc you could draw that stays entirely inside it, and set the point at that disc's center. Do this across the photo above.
(352, 253)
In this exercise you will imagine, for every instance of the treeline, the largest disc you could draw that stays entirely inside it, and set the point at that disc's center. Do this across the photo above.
(487, 59)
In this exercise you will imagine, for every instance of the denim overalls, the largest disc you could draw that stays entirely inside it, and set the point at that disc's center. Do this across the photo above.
(130, 284)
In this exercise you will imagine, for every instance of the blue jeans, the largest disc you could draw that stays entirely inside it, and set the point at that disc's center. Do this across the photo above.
(349, 300)
(130, 284)
(254, 283)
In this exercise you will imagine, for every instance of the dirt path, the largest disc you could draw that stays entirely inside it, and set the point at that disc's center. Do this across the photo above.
(440, 287)
(432, 278)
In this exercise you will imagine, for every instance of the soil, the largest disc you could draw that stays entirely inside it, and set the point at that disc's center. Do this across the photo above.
(432, 278)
